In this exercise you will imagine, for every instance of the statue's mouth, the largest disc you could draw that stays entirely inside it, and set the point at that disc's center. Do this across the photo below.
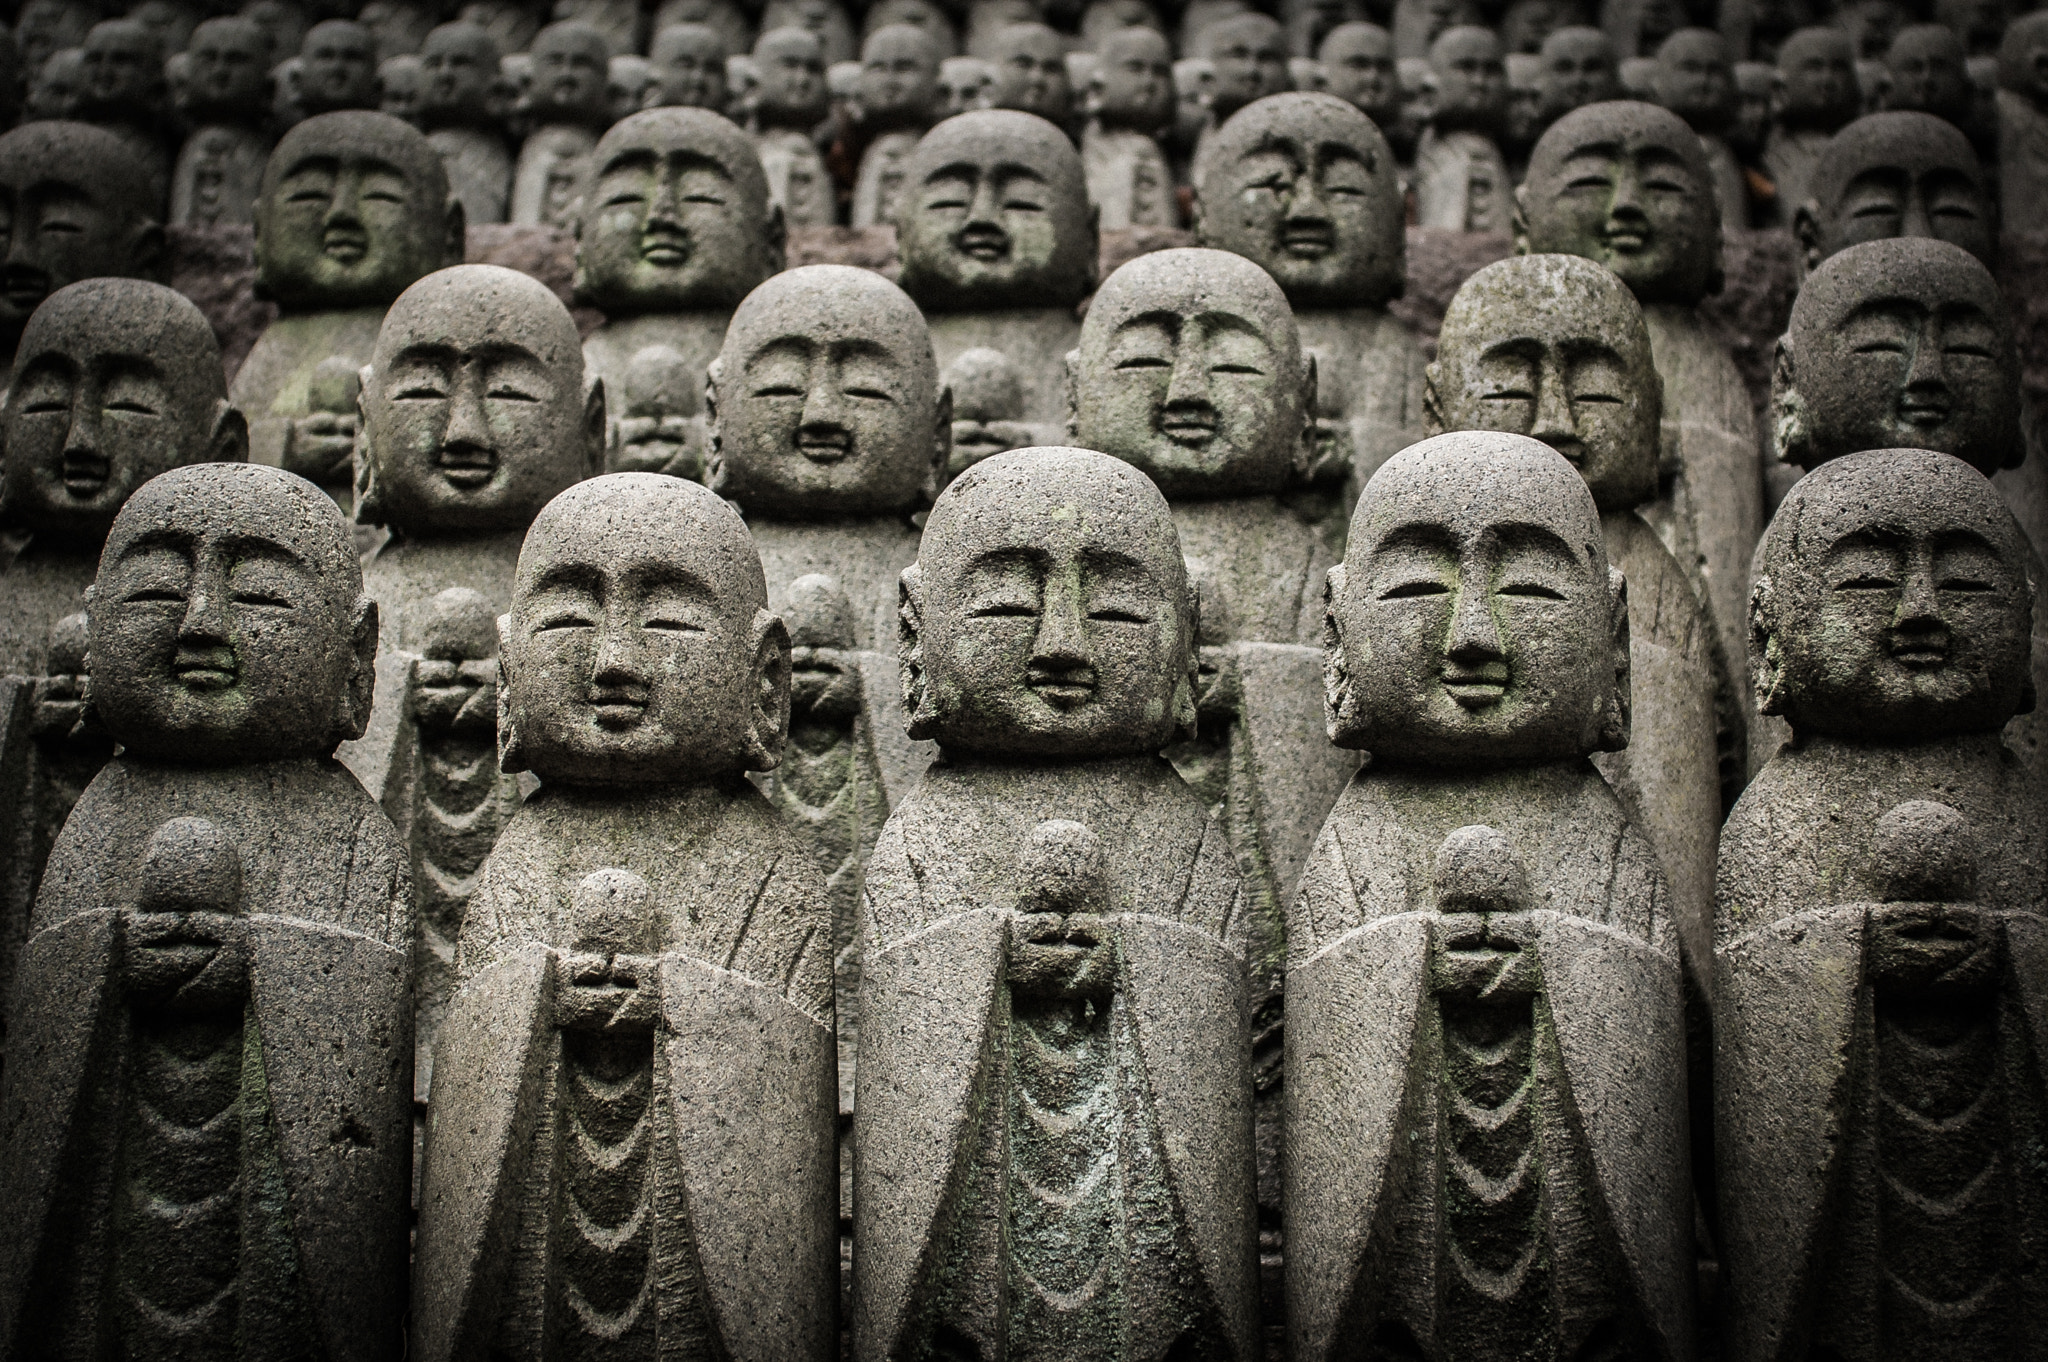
(25, 286)
(1063, 688)
(1308, 241)
(344, 246)
(669, 250)
(618, 707)
(1920, 651)
(986, 244)
(85, 475)
(1925, 411)
(1626, 240)
(467, 466)
(1476, 687)
(205, 669)
(1189, 426)
(824, 445)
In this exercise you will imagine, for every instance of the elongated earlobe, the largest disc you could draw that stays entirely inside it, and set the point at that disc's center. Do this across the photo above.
(768, 713)
(917, 698)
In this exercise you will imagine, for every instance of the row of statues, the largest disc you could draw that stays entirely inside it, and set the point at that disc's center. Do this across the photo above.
(1462, 93)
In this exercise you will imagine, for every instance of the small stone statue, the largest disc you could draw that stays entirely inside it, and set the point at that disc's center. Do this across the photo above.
(622, 22)
(399, 27)
(920, 14)
(569, 107)
(1625, 184)
(689, 68)
(115, 213)
(2023, 124)
(1696, 80)
(1486, 1104)
(1927, 65)
(964, 84)
(54, 94)
(1555, 347)
(225, 100)
(1881, 880)
(354, 208)
(1525, 24)
(1358, 67)
(1304, 186)
(476, 412)
(1031, 73)
(988, 410)
(117, 380)
(207, 1092)
(899, 76)
(1249, 55)
(43, 28)
(1579, 68)
(511, 25)
(1461, 182)
(828, 19)
(628, 80)
(789, 102)
(1817, 97)
(337, 69)
(1419, 23)
(1896, 174)
(1130, 102)
(998, 245)
(1052, 1142)
(727, 17)
(461, 116)
(629, 1153)
(1523, 122)
(676, 228)
(124, 91)
(402, 88)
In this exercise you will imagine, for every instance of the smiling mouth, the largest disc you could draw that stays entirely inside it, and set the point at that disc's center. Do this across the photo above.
(984, 244)
(1065, 689)
(345, 247)
(1193, 429)
(1626, 242)
(1920, 654)
(467, 468)
(1924, 411)
(824, 446)
(1476, 689)
(85, 475)
(206, 671)
(666, 249)
(617, 708)
(1308, 243)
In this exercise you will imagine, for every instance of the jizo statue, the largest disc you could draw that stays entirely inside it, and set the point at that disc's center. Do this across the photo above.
(826, 18)
(1130, 104)
(79, 204)
(1882, 878)
(463, 117)
(1358, 67)
(117, 381)
(1579, 68)
(337, 68)
(569, 107)
(1249, 54)
(1304, 186)
(402, 88)
(1486, 1153)
(476, 412)
(1461, 181)
(1927, 66)
(630, 1149)
(1695, 79)
(1817, 97)
(963, 85)
(124, 91)
(2023, 124)
(676, 227)
(1626, 185)
(1031, 72)
(935, 21)
(789, 101)
(689, 68)
(1896, 174)
(226, 102)
(207, 1091)
(898, 87)
(1052, 1143)
(998, 244)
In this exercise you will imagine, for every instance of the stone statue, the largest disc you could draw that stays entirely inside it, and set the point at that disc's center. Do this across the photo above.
(1358, 67)
(998, 244)
(1525, 24)
(475, 412)
(1625, 185)
(1523, 121)
(988, 409)
(117, 380)
(628, 80)
(207, 1092)
(1130, 102)
(569, 108)
(125, 93)
(927, 15)
(226, 102)
(1052, 1143)
(1881, 880)
(462, 119)
(55, 92)
(789, 102)
(1555, 347)
(623, 22)
(1304, 186)
(1896, 174)
(899, 76)
(511, 25)
(2023, 124)
(1579, 68)
(1486, 1103)
(1419, 23)
(1817, 97)
(727, 17)
(964, 84)
(402, 88)
(1461, 182)
(1102, 19)
(43, 28)
(1249, 54)
(689, 68)
(1927, 68)
(629, 1153)
(676, 228)
(399, 27)
(1031, 72)
(354, 208)
(827, 19)
(1696, 80)
(114, 226)
(337, 69)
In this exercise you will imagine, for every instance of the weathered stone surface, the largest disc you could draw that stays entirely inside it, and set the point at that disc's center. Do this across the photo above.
(206, 1099)
(1486, 1071)
(788, 103)
(1869, 1172)
(224, 100)
(1896, 174)
(2023, 125)
(1460, 181)
(630, 1148)
(1052, 1144)
(1129, 102)
(1817, 96)
(569, 108)
(459, 114)
(1695, 79)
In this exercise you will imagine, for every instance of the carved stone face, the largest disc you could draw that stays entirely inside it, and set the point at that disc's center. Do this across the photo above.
(1893, 601)
(75, 203)
(1133, 85)
(689, 66)
(338, 67)
(899, 74)
(1048, 613)
(1190, 368)
(1103, 19)
(675, 216)
(1472, 623)
(170, 21)
(354, 207)
(2023, 57)
(923, 15)
(474, 406)
(398, 27)
(1358, 62)
(1472, 82)
(1754, 82)
(1897, 174)
(826, 398)
(825, 18)
(402, 83)
(45, 27)
(571, 66)
(995, 214)
(1818, 69)
(124, 70)
(1304, 185)
(1554, 347)
(228, 621)
(227, 70)
(639, 649)
(1579, 68)
(58, 87)
(1927, 66)
(1523, 122)
(1031, 72)
(1528, 22)
(1899, 344)
(116, 381)
(1696, 80)
(963, 85)
(1249, 54)
(1626, 184)
(510, 24)
(789, 66)
(461, 63)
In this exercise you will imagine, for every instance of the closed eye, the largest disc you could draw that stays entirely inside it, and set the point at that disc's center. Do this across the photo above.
(1868, 582)
(669, 626)
(1588, 182)
(1956, 210)
(1509, 395)
(1876, 210)
(155, 593)
(511, 395)
(1234, 369)
(1609, 398)
(624, 199)
(704, 198)
(778, 390)
(567, 620)
(43, 408)
(1966, 348)
(1964, 584)
(1119, 616)
(260, 598)
(1422, 588)
(419, 391)
(1532, 589)
(871, 394)
(946, 203)
(141, 410)
(384, 196)
(1023, 206)
(1881, 347)
(1665, 186)
(308, 196)
(1143, 362)
(1003, 610)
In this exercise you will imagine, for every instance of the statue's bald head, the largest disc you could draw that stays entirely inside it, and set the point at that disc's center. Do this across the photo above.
(1897, 174)
(113, 204)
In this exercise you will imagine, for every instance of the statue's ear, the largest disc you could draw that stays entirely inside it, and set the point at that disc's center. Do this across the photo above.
(1766, 655)
(1305, 452)
(917, 699)
(1340, 707)
(1791, 441)
(594, 432)
(1518, 217)
(768, 695)
(229, 442)
(942, 443)
(1432, 404)
(511, 751)
(363, 457)
(455, 233)
(1612, 728)
(1806, 227)
(354, 709)
(1072, 366)
(1186, 714)
(714, 453)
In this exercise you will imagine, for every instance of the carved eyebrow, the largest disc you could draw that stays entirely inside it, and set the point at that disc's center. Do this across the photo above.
(1006, 559)
(1276, 144)
(1608, 150)
(1950, 540)
(1169, 322)
(569, 577)
(321, 162)
(1532, 538)
(1109, 560)
(954, 170)
(1344, 151)
(425, 352)
(1887, 309)
(670, 576)
(156, 541)
(1215, 321)
(1012, 170)
(1418, 534)
(248, 546)
(1867, 537)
